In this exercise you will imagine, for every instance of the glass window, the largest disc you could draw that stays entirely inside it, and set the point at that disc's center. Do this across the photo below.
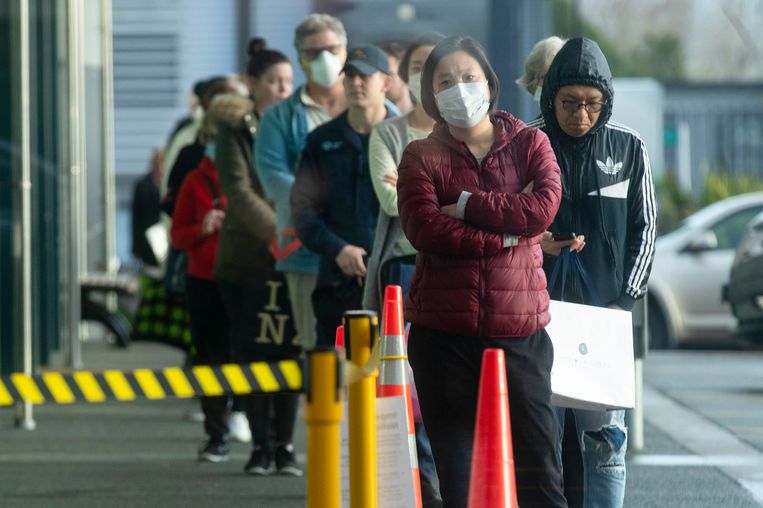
(729, 231)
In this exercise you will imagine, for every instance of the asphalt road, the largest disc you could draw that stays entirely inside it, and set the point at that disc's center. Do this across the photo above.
(703, 442)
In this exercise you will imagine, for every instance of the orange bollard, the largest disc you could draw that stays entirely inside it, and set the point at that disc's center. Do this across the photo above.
(393, 381)
(492, 482)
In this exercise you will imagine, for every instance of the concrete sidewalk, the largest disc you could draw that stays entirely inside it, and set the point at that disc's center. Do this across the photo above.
(143, 454)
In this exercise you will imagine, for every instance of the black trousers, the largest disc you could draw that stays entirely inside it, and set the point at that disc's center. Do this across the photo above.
(271, 417)
(329, 305)
(447, 371)
(209, 332)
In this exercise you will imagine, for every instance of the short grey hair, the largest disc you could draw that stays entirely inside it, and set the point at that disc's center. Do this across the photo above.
(538, 61)
(316, 23)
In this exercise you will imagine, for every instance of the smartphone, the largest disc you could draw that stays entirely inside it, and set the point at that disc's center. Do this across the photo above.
(563, 237)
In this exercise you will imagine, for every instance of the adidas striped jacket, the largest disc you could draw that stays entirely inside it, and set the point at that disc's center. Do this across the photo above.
(607, 188)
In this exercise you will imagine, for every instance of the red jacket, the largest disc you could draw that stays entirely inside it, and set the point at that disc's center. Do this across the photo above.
(193, 202)
(466, 281)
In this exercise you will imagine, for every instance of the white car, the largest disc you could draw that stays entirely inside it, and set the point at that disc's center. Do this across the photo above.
(691, 266)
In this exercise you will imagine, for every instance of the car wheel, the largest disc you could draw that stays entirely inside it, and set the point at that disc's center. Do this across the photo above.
(659, 336)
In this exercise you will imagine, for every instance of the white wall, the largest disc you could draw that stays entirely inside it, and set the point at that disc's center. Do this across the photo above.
(203, 39)
(275, 20)
(639, 104)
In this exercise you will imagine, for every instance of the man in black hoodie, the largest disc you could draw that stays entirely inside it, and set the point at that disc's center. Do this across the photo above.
(608, 203)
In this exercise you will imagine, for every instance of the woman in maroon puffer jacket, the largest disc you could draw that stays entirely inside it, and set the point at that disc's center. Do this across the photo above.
(474, 200)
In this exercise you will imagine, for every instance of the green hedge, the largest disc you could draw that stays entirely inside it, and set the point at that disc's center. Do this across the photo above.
(675, 204)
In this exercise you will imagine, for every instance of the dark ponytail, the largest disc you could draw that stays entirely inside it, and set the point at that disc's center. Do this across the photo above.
(261, 58)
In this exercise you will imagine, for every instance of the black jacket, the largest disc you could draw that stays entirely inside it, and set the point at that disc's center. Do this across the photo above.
(607, 189)
(145, 213)
(333, 201)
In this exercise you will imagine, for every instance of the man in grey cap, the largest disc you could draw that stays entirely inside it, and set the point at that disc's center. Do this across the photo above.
(333, 203)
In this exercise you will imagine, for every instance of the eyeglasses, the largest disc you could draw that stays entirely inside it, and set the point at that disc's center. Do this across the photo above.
(590, 107)
(313, 53)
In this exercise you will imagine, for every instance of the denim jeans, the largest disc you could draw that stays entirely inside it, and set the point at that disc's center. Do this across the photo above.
(603, 441)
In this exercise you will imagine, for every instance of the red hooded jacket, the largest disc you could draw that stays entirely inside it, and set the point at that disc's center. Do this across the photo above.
(194, 201)
(467, 282)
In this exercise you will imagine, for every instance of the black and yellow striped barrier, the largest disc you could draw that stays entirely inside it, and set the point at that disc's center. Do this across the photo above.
(87, 386)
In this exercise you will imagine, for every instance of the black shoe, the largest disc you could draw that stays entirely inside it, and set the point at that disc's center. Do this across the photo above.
(286, 461)
(259, 462)
(214, 451)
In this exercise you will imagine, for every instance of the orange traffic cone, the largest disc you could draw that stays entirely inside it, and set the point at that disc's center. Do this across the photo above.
(393, 381)
(339, 338)
(492, 483)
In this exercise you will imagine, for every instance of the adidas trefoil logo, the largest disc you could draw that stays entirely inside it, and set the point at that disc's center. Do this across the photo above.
(610, 167)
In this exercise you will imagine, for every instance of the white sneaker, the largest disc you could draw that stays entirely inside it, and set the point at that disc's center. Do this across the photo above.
(238, 427)
(195, 415)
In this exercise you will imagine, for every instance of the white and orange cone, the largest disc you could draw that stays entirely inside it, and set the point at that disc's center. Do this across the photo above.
(393, 380)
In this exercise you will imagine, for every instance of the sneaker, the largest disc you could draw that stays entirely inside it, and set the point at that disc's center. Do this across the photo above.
(238, 427)
(195, 415)
(286, 461)
(214, 451)
(259, 462)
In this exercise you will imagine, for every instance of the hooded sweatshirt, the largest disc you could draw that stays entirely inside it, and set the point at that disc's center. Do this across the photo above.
(607, 189)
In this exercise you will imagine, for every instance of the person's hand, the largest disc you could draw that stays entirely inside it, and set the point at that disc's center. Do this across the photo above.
(529, 188)
(350, 260)
(212, 222)
(549, 246)
(449, 210)
(390, 178)
(615, 307)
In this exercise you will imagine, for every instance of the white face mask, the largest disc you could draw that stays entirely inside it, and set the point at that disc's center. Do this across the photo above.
(325, 69)
(464, 105)
(536, 95)
(414, 85)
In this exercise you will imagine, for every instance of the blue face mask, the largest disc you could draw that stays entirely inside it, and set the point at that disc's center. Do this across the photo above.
(210, 151)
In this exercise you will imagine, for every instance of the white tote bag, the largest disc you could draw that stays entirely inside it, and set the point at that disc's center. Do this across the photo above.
(593, 357)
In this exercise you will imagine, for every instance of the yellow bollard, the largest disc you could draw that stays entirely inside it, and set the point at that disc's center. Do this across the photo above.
(323, 413)
(361, 333)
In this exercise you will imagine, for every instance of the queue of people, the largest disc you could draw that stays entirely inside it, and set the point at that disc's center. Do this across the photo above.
(303, 204)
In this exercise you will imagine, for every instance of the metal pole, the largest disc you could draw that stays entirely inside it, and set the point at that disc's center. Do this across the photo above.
(24, 416)
(107, 111)
(361, 332)
(323, 414)
(77, 208)
(637, 433)
(635, 416)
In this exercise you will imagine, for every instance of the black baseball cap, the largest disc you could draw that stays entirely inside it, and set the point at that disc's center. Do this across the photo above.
(367, 59)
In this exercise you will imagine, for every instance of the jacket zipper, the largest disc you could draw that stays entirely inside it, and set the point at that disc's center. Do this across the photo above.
(481, 312)
(576, 189)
